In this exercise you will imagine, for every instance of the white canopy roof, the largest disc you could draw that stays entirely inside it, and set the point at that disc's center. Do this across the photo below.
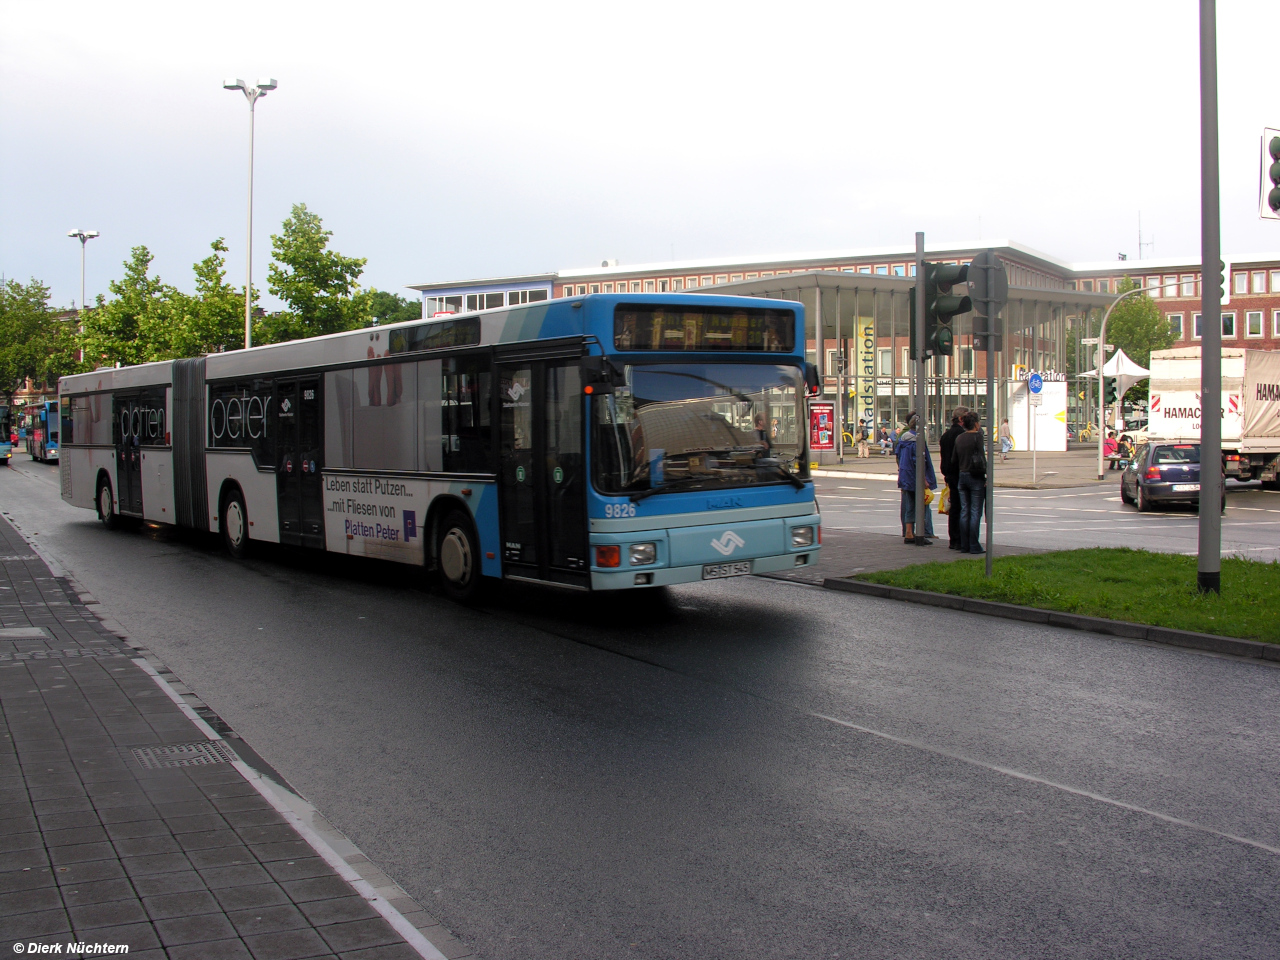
(1126, 372)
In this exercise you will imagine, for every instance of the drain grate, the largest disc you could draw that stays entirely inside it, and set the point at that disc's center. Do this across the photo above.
(185, 754)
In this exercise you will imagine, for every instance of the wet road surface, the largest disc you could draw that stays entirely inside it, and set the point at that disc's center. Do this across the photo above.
(747, 768)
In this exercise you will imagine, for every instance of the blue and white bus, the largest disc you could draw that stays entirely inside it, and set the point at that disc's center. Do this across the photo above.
(603, 442)
(42, 430)
(6, 436)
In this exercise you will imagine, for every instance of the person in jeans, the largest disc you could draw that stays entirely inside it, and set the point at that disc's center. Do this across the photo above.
(907, 481)
(951, 473)
(970, 461)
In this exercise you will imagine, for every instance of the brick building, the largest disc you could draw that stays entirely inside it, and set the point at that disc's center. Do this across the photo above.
(857, 307)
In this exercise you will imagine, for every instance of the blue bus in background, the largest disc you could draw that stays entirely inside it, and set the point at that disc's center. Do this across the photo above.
(42, 430)
(605, 442)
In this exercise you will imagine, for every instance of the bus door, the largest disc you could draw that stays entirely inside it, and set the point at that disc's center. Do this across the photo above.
(298, 492)
(542, 471)
(126, 430)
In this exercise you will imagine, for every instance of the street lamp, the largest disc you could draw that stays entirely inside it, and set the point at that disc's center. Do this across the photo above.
(251, 94)
(84, 236)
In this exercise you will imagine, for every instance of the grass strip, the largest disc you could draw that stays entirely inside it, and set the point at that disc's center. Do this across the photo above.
(1116, 582)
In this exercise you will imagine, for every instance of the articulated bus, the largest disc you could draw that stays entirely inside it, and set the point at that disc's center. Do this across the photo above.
(597, 443)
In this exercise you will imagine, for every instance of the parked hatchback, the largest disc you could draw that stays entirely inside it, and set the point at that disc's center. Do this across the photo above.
(1163, 472)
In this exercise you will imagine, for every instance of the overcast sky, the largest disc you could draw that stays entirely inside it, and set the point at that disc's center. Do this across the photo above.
(457, 140)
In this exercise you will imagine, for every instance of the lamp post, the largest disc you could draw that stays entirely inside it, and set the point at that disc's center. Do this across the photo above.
(1102, 355)
(84, 236)
(251, 94)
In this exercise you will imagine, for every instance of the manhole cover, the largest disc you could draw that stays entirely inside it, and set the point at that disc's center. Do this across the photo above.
(185, 754)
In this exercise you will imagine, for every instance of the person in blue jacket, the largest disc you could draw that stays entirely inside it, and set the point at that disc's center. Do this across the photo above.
(907, 480)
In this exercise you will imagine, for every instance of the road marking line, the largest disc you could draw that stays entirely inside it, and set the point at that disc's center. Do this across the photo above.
(1031, 778)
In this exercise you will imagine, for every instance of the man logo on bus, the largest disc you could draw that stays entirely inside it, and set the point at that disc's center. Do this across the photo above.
(728, 542)
(516, 390)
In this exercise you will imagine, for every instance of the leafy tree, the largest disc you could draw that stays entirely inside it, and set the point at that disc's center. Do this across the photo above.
(319, 285)
(386, 307)
(210, 321)
(135, 327)
(35, 343)
(1137, 327)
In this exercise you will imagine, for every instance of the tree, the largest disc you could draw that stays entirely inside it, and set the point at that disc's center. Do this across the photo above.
(135, 327)
(386, 307)
(1137, 326)
(210, 321)
(319, 285)
(35, 343)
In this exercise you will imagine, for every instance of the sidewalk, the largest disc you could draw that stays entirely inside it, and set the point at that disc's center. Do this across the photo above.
(1075, 468)
(131, 815)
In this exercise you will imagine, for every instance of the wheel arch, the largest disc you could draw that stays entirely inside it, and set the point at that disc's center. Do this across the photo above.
(229, 485)
(439, 509)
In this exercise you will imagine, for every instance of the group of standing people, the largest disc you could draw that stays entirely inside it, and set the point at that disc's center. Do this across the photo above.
(964, 468)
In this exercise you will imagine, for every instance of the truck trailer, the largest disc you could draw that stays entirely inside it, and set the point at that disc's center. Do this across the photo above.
(1250, 408)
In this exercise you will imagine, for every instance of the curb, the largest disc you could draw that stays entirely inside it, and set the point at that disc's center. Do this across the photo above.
(1213, 643)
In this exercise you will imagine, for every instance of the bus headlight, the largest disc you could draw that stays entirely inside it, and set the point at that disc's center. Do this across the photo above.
(642, 553)
(802, 536)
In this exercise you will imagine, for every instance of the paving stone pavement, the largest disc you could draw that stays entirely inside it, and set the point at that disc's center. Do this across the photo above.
(100, 843)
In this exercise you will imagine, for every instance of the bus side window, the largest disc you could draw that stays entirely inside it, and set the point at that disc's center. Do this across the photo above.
(467, 429)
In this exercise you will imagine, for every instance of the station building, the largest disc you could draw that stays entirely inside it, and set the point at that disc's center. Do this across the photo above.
(858, 309)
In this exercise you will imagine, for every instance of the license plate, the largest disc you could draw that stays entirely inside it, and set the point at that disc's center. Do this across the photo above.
(714, 571)
(1185, 487)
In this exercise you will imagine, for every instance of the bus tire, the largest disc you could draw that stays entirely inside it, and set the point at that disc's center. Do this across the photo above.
(106, 505)
(458, 557)
(233, 523)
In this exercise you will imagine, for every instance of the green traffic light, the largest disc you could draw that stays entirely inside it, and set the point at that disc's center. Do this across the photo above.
(943, 341)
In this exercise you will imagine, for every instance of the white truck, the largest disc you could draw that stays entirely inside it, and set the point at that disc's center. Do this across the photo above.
(1250, 407)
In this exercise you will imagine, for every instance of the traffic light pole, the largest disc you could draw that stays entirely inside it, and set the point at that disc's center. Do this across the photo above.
(1209, 560)
(921, 397)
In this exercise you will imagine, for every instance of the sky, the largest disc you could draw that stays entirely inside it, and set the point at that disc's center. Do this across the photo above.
(448, 141)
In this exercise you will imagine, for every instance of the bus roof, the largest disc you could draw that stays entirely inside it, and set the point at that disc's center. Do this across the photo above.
(589, 315)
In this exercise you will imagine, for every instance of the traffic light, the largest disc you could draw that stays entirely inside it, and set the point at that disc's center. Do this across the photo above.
(1269, 187)
(1112, 390)
(940, 305)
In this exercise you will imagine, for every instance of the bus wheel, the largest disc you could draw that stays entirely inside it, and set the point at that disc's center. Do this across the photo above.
(106, 506)
(234, 524)
(458, 557)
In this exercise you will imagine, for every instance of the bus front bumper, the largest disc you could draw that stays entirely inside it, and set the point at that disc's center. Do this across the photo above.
(691, 554)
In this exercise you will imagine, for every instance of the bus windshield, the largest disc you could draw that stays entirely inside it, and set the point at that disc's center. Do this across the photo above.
(699, 426)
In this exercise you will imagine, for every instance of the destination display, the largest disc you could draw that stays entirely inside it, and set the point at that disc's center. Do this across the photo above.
(642, 327)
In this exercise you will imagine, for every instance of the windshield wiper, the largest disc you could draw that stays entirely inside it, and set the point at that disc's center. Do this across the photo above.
(672, 485)
(795, 481)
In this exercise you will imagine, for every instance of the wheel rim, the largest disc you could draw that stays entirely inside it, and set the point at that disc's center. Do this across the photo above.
(104, 503)
(235, 522)
(455, 557)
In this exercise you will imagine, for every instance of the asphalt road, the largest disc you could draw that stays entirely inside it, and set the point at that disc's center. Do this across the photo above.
(1074, 517)
(746, 768)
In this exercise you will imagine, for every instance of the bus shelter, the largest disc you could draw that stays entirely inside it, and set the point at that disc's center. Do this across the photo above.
(858, 332)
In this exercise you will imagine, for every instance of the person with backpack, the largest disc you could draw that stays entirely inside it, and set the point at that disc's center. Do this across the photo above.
(906, 453)
(970, 458)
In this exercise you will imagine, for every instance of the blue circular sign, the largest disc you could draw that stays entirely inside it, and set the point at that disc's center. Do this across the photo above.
(1035, 382)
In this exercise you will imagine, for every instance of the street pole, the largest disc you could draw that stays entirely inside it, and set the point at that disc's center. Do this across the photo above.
(992, 413)
(84, 236)
(248, 259)
(922, 443)
(1101, 358)
(251, 94)
(1209, 559)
